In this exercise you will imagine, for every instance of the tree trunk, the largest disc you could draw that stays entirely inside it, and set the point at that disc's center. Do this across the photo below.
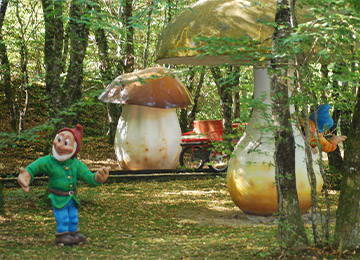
(23, 89)
(346, 236)
(54, 34)
(2, 202)
(345, 123)
(65, 52)
(125, 64)
(187, 115)
(236, 95)
(79, 32)
(5, 84)
(225, 93)
(129, 45)
(113, 110)
(184, 120)
(335, 159)
(148, 30)
(196, 97)
(169, 13)
(291, 228)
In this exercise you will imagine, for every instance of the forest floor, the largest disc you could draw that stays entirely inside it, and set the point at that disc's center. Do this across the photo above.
(97, 153)
(181, 219)
(184, 219)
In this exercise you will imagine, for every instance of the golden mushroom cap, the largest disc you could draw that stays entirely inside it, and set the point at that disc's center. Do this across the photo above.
(154, 87)
(252, 19)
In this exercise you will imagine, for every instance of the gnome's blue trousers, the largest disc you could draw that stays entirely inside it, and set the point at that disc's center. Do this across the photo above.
(66, 218)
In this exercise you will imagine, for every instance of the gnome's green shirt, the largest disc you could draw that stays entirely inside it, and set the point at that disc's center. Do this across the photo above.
(63, 176)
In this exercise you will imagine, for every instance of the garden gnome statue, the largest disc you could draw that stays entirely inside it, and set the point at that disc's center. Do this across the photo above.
(63, 170)
(325, 122)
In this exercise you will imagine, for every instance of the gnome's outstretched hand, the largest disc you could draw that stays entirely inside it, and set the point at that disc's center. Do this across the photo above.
(338, 138)
(24, 179)
(102, 175)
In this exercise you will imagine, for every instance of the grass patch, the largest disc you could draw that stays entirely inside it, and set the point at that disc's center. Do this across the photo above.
(192, 219)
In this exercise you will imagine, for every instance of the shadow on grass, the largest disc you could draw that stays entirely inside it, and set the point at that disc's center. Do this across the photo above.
(193, 219)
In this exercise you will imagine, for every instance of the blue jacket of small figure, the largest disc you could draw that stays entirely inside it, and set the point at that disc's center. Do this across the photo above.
(324, 123)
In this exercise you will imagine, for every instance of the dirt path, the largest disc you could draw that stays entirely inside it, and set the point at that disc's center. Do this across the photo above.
(232, 217)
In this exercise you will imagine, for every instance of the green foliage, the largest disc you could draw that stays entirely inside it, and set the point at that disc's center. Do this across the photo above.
(24, 22)
(80, 110)
(331, 29)
(334, 178)
(241, 48)
(13, 139)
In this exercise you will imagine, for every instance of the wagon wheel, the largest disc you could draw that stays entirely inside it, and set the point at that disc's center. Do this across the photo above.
(192, 157)
(218, 161)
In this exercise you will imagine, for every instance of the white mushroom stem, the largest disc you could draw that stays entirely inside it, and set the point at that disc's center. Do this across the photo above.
(148, 138)
(251, 172)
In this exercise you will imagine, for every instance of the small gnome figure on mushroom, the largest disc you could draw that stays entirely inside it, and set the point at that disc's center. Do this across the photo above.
(324, 122)
(63, 169)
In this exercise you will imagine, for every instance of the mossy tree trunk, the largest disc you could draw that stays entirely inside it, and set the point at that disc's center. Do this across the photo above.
(23, 89)
(54, 36)
(113, 110)
(194, 85)
(225, 85)
(346, 236)
(184, 121)
(151, 8)
(236, 96)
(79, 32)
(335, 159)
(2, 201)
(196, 97)
(291, 228)
(129, 44)
(5, 83)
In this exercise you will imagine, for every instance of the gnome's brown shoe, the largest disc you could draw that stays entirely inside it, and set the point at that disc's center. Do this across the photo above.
(78, 236)
(65, 238)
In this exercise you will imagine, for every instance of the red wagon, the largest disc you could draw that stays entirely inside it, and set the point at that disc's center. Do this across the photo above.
(198, 146)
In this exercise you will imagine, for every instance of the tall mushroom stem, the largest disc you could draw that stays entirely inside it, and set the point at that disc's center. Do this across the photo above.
(251, 172)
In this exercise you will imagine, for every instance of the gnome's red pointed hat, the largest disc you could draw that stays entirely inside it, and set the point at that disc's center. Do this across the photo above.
(78, 135)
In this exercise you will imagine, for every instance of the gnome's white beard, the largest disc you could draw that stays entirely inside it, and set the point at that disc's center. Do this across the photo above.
(62, 158)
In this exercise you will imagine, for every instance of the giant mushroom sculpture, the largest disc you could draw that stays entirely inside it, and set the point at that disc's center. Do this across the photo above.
(148, 134)
(251, 172)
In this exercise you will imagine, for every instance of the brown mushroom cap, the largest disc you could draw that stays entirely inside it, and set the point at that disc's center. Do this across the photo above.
(218, 18)
(153, 87)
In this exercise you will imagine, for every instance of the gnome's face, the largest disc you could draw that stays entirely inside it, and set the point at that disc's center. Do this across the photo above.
(64, 146)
